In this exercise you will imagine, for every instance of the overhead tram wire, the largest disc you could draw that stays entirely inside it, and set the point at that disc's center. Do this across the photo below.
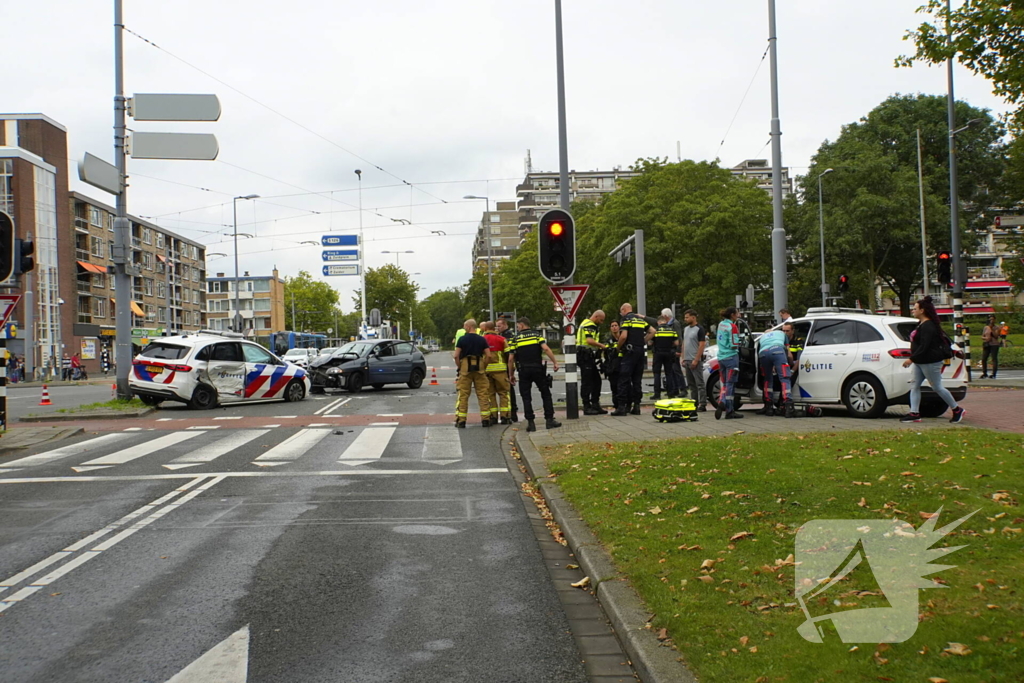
(284, 116)
(742, 100)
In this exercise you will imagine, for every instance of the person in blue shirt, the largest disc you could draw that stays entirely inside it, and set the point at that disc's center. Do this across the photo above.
(774, 355)
(728, 363)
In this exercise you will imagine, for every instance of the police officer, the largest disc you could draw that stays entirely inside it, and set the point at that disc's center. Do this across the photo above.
(588, 348)
(666, 357)
(634, 334)
(527, 351)
(502, 327)
(471, 357)
(612, 360)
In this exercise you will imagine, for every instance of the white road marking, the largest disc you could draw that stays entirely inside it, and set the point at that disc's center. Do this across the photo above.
(339, 405)
(229, 417)
(442, 445)
(64, 569)
(90, 469)
(285, 417)
(319, 424)
(227, 662)
(133, 429)
(133, 452)
(368, 447)
(384, 424)
(329, 406)
(229, 475)
(65, 451)
(34, 569)
(271, 426)
(183, 465)
(294, 446)
(5, 471)
(214, 450)
(164, 419)
(203, 427)
(390, 414)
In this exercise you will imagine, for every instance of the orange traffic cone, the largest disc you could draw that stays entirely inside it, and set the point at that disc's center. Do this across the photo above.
(113, 390)
(45, 401)
(433, 378)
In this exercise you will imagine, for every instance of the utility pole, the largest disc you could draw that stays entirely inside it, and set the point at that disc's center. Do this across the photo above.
(780, 278)
(362, 257)
(954, 204)
(121, 255)
(924, 239)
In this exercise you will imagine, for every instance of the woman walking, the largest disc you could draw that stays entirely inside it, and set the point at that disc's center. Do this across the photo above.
(991, 342)
(929, 346)
(728, 363)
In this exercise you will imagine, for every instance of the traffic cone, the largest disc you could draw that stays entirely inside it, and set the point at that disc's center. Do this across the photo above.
(113, 390)
(45, 401)
(433, 378)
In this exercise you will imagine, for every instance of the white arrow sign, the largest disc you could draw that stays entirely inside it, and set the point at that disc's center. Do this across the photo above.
(174, 107)
(183, 146)
(227, 662)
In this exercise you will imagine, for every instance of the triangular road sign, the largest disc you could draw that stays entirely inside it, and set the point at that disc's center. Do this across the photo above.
(569, 298)
(7, 304)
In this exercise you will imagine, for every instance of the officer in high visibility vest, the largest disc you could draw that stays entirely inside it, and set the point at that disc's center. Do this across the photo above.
(666, 355)
(503, 329)
(612, 359)
(634, 334)
(497, 375)
(471, 356)
(527, 352)
(588, 348)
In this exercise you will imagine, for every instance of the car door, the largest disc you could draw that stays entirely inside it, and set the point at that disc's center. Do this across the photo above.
(381, 364)
(226, 370)
(265, 375)
(403, 361)
(827, 357)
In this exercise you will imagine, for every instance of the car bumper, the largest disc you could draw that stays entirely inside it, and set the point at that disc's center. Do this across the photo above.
(959, 393)
(155, 391)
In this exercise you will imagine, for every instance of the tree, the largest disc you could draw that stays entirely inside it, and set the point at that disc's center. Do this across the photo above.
(986, 37)
(475, 303)
(314, 303)
(522, 290)
(390, 291)
(445, 308)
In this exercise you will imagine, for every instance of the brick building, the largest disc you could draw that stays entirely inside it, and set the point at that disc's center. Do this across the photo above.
(260, 298)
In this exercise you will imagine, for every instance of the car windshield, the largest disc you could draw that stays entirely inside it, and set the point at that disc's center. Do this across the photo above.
(903, 329)
(292, 353)
(355, 348)
(165, 351)
(328, 350)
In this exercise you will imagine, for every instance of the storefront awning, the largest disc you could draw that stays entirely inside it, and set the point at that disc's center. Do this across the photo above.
(988, 284)
(161, 258)
(136, 308)
(92, 267)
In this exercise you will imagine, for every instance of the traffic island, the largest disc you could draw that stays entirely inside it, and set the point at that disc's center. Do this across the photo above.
(14, 440)
(113, 409)
(705, 530)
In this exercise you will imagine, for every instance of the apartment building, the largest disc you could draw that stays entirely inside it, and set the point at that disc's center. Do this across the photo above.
(260, 303)
(540, 192)
(760, 170)
(501, 228)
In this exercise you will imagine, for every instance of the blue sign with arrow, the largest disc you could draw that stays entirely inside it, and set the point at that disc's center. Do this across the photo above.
(340, 240)
(341, 255)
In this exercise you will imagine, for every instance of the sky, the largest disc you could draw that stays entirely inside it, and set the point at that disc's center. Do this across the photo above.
(436, 99)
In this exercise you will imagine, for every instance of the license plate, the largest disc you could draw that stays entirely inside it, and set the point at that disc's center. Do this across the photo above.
(154, 369)
(946, 361)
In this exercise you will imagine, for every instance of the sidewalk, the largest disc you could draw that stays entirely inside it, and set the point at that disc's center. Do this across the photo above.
(61, 383)
(15, 440)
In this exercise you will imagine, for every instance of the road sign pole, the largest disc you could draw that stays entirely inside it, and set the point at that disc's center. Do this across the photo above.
(122, 228)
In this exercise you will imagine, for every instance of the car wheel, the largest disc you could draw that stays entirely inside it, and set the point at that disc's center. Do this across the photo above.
(355, 383)
(295, 391)
(378, 386)
(156, 400)
(203, 398)
(416, 379)
(864, 397)
(317, 390)
(933, 408)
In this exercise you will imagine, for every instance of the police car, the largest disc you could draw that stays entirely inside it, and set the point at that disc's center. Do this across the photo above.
(206, 368)
(849, 357)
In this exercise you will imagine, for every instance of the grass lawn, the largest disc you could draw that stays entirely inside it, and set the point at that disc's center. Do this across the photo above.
(663, 509)
(112, 404)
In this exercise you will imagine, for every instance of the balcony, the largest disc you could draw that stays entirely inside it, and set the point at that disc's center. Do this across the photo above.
(83, 286)
(984, 273)
(81, 225)
(136, 243)
(81, 254)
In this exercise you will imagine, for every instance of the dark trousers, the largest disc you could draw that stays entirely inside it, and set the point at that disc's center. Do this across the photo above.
(590, 379)
(528, 378)
(613, 382)
(986, 352)
(667, 362)
(631, 373)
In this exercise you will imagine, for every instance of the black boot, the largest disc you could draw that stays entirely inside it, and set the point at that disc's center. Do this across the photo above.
(599, 409)
(768, 410)
(485, 423)
(513, 417)
(619, 411)
(552, 423)
(635, 410)
(531, 426)
(461, 425)
(591, 410)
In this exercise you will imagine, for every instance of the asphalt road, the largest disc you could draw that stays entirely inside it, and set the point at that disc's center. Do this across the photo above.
(342, 538)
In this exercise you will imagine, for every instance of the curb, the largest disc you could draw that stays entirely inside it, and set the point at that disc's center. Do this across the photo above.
(95, 415)
(653, 662)
(6, 449)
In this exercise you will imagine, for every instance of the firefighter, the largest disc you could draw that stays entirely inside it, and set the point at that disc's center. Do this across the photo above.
(612, 359)
(497, 375)
(634, 334)
(666, 355)
(528, 349)
(503, 329)
(471, 357)
(588, 349)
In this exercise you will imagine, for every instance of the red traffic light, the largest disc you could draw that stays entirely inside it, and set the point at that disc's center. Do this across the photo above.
(944, 255)
(556, 229)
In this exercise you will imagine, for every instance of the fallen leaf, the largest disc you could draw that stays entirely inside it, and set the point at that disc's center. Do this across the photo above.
(707, 564)
(853, 649)
(582, 583)
(958, 649)
(862, 503)
(744, 640)
(742, 534)
(753, 650)
(728, 493)
(946, 459)
(993, 606)
(706, 496)
(572, 566)
(936, 679)
(928, 515)
(692, 510)
(705, 578)
(663, 634)
(53, 595)
(655, 510)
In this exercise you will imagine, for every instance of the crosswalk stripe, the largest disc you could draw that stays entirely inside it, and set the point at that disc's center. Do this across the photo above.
(143, 449)
(368, 447)
(65, 451)
(214, 450)
(442, 443)
(294, 446)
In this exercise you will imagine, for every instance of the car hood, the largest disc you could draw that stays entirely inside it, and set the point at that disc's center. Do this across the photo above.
(335, 360)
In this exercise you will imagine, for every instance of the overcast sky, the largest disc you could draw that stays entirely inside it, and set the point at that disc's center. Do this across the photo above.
(445, 94)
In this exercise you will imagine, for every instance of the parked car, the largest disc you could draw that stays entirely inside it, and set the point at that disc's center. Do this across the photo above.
(850, 358)
(207, 368)
(300, 357)
(327, 350)
(368, 362)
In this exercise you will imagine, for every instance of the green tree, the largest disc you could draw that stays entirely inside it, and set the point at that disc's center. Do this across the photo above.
(475, 303)
(445, 308)
(391, 291)
(522, 290)
(986, 37)
(314, 303)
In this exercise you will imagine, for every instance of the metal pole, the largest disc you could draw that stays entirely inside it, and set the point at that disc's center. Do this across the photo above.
(821, 230)
(122, 227)
(237, 318)
(563, 149)
(295, 325)
(362, 255)
(954, 204)
(490, 257)
(779, 275)
(30, 330)
(641, 278)
(924, 240)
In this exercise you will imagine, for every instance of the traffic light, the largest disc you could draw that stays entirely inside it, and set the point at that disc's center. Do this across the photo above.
(945, 269)
(23, 261)
(6, 246)
(844, 284)
(556, 245)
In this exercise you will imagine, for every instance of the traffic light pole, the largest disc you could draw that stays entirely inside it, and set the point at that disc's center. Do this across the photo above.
(959, 273)
(572, 408)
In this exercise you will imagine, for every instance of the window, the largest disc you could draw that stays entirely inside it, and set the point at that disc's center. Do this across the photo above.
(110, 222)
(147, 286)
(162, 351)
(261, 304)
(403, 348)
(159, 240)
(495, 229)
(195, 252)
(495, 218)
(227, 351)
(99, 307)
(96, 247)
(150, 311)
(161, 290)
(248, 285)
(147, 260)
(496, 242)
(261, 286)
(195, 296)
(95, 216)
(385, 350)
(195, 275)
(867, 333)
(161, 314)
(255, 354)
(831, 332)
(147, 236)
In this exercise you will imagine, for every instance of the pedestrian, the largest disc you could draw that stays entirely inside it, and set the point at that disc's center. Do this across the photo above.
(12, 369)
(527, 353)
(471, 357)
(503, 329)
(774, 357)
(634, 335)
(677, 368)
(784, 315)
(588, 350)
(694, 341)
(929, 347)
(666, 355)
(65, 368)
(105, 361)
(728, 363)
(991, 339)
(76, 367)
(497, 375)
(1004, 331)
(612, 359)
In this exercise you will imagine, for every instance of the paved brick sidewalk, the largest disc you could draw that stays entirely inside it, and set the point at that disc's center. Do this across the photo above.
(996, 409)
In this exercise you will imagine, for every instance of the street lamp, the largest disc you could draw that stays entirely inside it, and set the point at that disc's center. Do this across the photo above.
(216, 253)
(397, 254)
(487, 236)
(238, 308)
(362, 258)
(821, 229)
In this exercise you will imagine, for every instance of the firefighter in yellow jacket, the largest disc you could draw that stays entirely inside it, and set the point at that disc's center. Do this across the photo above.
(472, 356)
(497, 375)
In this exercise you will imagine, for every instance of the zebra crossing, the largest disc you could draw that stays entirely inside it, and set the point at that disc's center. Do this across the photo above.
(308, 448)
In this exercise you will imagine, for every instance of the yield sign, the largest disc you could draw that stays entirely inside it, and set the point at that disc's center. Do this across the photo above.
(7, 304)
(569, 298)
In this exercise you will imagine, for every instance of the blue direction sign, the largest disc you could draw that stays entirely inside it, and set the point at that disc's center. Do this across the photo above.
(341, 270)
(341, 254)
(340, 240)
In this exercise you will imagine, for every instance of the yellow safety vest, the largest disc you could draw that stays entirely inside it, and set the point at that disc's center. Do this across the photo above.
(587, 328)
